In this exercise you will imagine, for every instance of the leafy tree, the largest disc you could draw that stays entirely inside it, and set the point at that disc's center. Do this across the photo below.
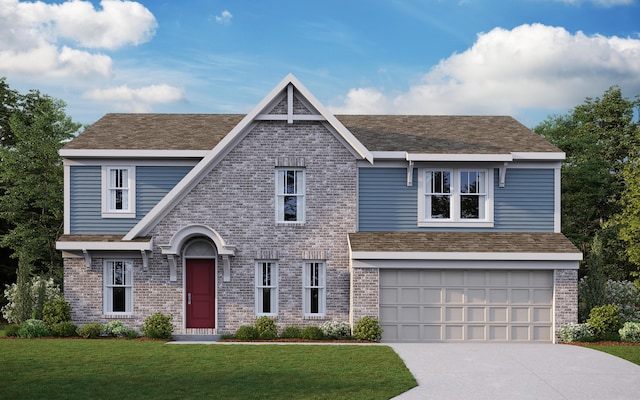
(31, 175)
(629, 219)
(598, 138)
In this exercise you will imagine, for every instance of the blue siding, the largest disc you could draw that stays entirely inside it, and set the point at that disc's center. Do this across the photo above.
(152, 184)
(386, 203)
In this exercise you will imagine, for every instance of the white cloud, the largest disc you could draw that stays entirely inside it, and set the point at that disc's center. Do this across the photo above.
(224, 18)
(43, 39)
(602, 3)
(137, 100)
(505, 71)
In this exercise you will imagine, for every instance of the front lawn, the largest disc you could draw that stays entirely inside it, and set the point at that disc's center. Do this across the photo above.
(627, 352)
(124, 369)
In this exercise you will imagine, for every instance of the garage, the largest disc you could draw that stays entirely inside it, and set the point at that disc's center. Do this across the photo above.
(434, 305)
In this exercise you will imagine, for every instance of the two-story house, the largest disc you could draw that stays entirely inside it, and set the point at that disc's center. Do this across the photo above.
(446, 228)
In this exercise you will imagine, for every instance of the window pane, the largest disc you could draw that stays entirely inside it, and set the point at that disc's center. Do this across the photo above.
(290, 182)
(472, 182)
(315, 301)
(470, 207)
(266, 300)
(440, 207)
(290, 208)
(118, 274)
(119, 299)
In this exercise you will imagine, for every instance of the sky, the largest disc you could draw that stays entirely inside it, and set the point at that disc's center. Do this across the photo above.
(526, 58)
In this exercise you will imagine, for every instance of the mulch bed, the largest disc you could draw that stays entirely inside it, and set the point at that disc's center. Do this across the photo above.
(603, 344)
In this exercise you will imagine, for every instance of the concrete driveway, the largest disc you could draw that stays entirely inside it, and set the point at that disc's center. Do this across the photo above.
(516, 371)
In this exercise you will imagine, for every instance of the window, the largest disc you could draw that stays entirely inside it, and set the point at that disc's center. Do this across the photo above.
(118, 195)
(118, 287)
(290, 198)
(266, 288)
(314, 288)
(455, 197)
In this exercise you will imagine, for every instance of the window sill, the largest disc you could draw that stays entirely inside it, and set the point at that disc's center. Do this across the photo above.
(118, 215)
(455, 224)
(315, 317)
(118, 316)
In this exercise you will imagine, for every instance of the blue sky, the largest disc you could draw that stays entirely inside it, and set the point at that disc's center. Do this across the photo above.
(528, 58)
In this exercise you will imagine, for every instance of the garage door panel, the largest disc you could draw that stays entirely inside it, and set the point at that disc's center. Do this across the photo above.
(460, 305)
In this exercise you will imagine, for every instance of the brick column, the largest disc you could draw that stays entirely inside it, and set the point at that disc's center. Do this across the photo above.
(565, 297)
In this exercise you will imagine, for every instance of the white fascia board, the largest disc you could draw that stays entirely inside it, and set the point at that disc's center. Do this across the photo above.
(389, 155)
(401, 255)
(460, 157)
(465, 264)
(82, 153)
(90, 246)
(539, 156)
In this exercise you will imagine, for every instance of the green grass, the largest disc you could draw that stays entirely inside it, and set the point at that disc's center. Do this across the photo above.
(3, 328)
(122, 369)
(629, 353)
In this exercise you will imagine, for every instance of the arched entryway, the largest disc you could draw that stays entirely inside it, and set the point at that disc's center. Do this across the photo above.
(200, 284)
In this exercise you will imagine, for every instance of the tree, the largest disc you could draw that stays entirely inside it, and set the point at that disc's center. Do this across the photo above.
(31, 176)
(628, 220)
(598, 138)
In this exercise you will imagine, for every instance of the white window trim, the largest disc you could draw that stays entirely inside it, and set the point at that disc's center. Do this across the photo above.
(258, 288)
(131, 212)
(322, 295)
(455, 221)
(106, 305)
(301, 197)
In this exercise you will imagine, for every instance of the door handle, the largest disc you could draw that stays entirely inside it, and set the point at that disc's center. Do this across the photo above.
(188, 298)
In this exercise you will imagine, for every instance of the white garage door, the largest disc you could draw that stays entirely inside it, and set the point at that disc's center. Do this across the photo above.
(466, 305)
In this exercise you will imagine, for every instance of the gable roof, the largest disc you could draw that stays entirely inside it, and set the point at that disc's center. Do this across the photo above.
(266, 110)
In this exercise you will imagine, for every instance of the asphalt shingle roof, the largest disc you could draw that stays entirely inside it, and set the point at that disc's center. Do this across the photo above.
(412, 133)
(463, 242)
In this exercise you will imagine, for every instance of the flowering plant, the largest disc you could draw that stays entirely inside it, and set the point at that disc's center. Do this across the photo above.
(576, 333)
(335, 330)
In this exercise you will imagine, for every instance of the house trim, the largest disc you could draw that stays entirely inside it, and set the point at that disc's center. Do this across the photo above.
(494, 256)
(106, 153)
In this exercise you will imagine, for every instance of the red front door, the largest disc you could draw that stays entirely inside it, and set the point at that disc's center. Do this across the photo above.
(200, 287)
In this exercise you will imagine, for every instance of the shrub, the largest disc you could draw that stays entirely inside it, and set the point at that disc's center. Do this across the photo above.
(626, 296)
(247, 332)
(55, 311)
(630, 332)
(158, 326)
(336, 330)
(368, 328)
(12, 330)
(33, 328)
(118, 329)
(91, 330)
(291, 332)
(605, 321)
(51, 291)
(266, 328)
(64, 329)
(576, 333)
(312, 333)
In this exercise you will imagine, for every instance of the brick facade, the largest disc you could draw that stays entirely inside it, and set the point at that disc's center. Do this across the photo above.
(565, 297)
(365, 300)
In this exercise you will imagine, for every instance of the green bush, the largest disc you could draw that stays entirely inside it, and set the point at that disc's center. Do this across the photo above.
(336, 330)
(92, 330)
(605, 321)
(369, 329)
(247, 332)
(630, 332)
(267, 329)
(117, 328)
(33, 328)
(312, 333)
(291, 332)
(55, 311)
(158, 326)
(10, 310)
(576, 333)
(64, 329)
(12, 330)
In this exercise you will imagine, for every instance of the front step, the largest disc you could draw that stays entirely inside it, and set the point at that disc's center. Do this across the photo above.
(196, 338)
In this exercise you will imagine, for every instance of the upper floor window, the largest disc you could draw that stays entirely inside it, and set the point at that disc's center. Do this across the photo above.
(290, 195)
(266, 280)
(118, 287)
(118, 194)
(455, 197)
